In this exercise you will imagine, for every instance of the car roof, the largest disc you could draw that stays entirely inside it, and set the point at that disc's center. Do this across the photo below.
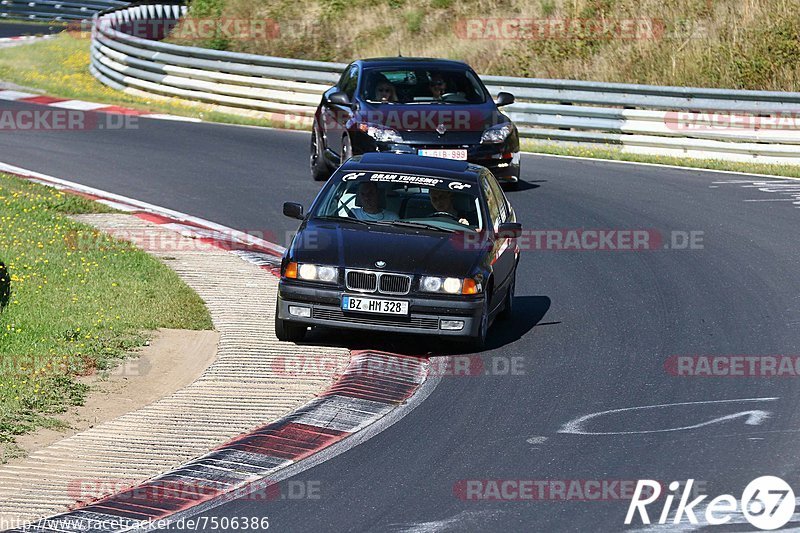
(415, 165)
(396, 62)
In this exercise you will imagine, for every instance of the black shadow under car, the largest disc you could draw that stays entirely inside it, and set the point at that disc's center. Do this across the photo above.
(404, 244)
(429, 107)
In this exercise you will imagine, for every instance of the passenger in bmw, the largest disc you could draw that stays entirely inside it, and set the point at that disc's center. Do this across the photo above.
(369, 200)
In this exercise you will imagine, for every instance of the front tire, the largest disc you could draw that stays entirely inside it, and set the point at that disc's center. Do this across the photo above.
(289, 331)
(508, 304)
(478, 341)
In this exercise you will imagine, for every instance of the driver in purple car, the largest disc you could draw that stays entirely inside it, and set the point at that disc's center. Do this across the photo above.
(438, 86)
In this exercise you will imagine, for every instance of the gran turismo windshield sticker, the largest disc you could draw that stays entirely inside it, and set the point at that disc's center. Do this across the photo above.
(424, 181)
(403, 178)
(352, 176)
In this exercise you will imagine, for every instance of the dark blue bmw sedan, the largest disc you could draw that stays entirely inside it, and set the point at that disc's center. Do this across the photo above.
(401, 244)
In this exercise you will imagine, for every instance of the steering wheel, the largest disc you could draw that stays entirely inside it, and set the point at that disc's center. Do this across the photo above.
(445, 95)
(445, 214)
(347, 210)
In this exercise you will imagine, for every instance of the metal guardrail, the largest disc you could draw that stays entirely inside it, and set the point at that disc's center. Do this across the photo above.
(697, 122)
(55, 10)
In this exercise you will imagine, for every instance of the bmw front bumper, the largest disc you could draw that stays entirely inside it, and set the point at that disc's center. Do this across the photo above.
(426, 315)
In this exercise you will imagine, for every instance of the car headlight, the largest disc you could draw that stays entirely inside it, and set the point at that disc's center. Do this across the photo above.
(311, 272)
(449, 285)
(381, 133)
(497, 134)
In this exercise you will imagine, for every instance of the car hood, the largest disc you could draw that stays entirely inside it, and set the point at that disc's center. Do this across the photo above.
(403, 250)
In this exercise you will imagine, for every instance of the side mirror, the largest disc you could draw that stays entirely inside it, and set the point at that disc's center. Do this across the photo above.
(504, 98)
(293, 210)
(339, 98)
(509, 230)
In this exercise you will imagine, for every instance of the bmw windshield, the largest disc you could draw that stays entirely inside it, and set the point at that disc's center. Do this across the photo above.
(403, 201)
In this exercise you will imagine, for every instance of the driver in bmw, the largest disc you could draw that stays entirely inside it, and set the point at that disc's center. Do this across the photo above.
(368, 196)
(442, 202)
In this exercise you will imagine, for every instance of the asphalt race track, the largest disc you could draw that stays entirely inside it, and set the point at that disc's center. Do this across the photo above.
(593, 332)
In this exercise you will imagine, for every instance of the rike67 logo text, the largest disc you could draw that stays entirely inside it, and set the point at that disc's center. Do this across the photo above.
(766, 503)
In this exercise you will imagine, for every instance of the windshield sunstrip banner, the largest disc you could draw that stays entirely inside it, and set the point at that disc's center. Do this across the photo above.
(407, 179)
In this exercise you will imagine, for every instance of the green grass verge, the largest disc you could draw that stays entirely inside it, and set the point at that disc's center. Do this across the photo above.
(60, 67)
(79, 302)
(790, 171)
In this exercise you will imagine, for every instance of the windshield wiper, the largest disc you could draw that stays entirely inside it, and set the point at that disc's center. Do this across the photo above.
(400, 223)
(418, 225)
(344, 219)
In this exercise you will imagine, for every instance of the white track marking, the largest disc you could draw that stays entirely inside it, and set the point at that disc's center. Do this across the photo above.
(463, 521)
(758, 184)
(79, 105)
(754, 417)
(176, 118)
(15, 95)
(782, 188)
